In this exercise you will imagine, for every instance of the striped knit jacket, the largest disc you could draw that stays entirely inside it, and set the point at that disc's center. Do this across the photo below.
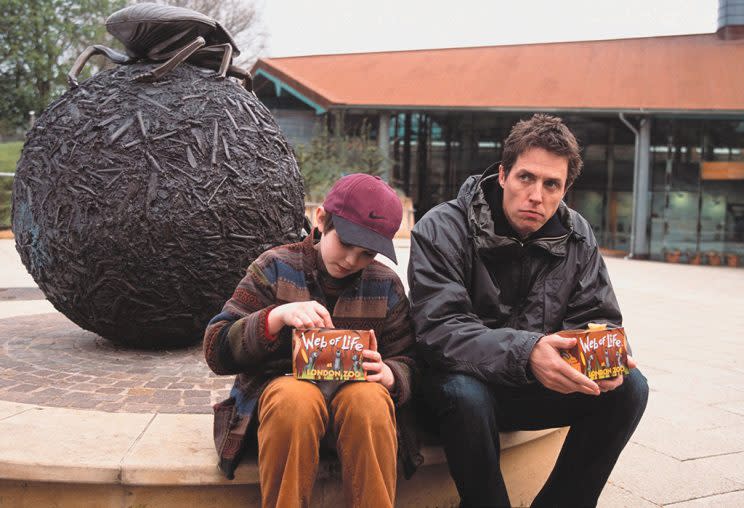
(236, 340)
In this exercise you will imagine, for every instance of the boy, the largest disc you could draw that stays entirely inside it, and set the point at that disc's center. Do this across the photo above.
(328, 280)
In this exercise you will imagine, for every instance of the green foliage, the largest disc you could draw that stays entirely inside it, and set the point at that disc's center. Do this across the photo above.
(329, 157)
(39, 41)
(6, 191)
(9, 155)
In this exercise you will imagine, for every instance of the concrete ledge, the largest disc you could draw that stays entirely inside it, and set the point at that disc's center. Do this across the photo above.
(56, 450)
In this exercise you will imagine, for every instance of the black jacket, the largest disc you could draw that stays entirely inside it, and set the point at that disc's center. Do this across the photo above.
(482, 298)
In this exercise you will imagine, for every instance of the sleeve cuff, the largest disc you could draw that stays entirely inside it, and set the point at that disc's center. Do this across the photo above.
(267, 335)
(529, 376)
(401, 392)
(269, 341)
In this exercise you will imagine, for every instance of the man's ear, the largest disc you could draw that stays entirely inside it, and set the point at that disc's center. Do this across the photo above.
(502, 176)
(320, 216)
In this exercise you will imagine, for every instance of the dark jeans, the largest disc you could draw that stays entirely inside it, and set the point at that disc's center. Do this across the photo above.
(471, 414)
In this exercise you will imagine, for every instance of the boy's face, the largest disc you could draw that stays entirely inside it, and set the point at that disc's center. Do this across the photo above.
(341, 259)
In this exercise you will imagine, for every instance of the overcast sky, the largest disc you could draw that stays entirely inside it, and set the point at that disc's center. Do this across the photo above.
(306, 27)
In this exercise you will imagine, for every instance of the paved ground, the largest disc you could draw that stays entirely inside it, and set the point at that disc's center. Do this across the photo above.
(49, 360)
(683, 321)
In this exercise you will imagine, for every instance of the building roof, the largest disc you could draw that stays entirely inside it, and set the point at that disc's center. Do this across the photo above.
(696, 73)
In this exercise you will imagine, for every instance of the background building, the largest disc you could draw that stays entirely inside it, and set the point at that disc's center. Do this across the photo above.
(660, 121)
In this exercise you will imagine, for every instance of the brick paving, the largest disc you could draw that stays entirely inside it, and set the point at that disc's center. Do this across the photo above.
(48, 360)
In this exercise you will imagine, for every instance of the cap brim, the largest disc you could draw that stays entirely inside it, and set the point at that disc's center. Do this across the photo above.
(362, 237)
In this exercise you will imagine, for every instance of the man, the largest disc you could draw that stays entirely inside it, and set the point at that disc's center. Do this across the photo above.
(493, 275)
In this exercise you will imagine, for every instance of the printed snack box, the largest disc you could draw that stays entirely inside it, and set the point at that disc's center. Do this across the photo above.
(600, 352)
(329, 354)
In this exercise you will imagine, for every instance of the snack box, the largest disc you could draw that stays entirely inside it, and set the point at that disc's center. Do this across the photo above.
(600, 353)
(329, 354)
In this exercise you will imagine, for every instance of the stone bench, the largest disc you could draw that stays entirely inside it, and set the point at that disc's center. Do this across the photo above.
(56, 456)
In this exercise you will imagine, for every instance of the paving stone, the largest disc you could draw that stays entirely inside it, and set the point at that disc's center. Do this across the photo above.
(196, 393)
(688, 413)
(730, 465)
(8, 409)
(95, 447)
(684, 443)
(111, 390)
(733, 407)
(660, 479)
(150, 459)
(728, 500)
(43, 352)
(84, 387)
(24, 388)
(615, 497)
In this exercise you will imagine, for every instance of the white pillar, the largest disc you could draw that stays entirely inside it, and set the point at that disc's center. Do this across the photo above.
(383, 142)
(641, 192)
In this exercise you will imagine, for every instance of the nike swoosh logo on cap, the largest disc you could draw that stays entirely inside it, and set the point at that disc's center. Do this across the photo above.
(376, 217)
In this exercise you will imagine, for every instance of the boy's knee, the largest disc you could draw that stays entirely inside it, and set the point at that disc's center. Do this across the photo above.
(365, 405)
(292, 401)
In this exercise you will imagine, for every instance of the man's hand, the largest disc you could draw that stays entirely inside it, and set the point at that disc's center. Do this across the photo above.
(606, 385)
(308, 314)
(377, 370)
(553, 372)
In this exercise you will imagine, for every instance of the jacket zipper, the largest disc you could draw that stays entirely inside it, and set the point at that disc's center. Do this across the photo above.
(517, 311)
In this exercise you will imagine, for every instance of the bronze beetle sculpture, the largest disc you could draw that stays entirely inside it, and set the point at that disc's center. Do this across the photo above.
(168, 34)
(138, 205)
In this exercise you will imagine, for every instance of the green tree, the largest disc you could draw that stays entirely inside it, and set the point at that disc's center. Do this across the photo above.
(39, 41)
(328, 157)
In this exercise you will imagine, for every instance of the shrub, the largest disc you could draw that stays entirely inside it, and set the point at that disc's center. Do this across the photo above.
(328, 157)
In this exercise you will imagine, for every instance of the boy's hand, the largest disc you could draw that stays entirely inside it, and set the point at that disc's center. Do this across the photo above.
(308, 314)
(377, 370)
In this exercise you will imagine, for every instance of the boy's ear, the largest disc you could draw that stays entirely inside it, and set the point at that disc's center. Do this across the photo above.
(320, 215)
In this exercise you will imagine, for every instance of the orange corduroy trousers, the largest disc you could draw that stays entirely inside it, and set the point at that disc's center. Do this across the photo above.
(293, 417)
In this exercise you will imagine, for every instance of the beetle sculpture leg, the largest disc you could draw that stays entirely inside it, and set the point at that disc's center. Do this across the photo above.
(172, 62)
(226, 59)
(237, 72)
(90, 51)
(218, 57)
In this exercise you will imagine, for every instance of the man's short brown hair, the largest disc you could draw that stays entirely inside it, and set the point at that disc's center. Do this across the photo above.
(547, 132)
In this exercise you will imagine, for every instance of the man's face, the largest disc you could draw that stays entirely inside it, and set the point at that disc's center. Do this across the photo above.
(533, 189)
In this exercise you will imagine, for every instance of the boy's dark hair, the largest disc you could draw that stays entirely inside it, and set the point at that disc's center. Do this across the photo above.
(328, 222)
(549, 133)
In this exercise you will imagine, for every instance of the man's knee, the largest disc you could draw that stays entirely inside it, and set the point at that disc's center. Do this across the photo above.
(633, 393)
(463, 395)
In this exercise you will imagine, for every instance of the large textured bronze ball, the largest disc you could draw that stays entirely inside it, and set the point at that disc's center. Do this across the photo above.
(138, 206)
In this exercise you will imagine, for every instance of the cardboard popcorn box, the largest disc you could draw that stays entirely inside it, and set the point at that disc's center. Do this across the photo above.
(600, 353)
(329, 354)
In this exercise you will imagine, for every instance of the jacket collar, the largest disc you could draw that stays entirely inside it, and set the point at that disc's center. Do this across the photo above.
(490, 230)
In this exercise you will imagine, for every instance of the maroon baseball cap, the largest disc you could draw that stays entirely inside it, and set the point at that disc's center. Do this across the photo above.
(366, 212)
